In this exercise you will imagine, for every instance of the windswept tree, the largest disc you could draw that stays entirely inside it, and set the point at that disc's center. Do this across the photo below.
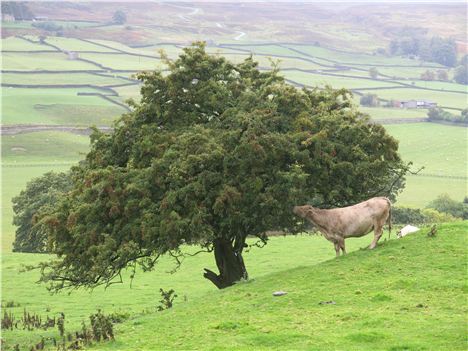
(213, 152)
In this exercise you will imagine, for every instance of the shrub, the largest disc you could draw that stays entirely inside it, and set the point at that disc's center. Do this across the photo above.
(406, 215)
(434, 216)
(369, 100)
(48, 26)
(443, 203)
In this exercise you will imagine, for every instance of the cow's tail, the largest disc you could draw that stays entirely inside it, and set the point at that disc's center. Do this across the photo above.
(389, 217)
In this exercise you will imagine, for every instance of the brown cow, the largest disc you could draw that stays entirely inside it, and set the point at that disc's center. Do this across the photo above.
(347, 222)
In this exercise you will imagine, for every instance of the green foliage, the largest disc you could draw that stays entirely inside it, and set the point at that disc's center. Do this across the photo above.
(438, 114)
(434, 216)
(435, 49)
(48, 26)
(369, 100)
(119, 17)
(407, 215)
(428, 75)
(167, 299)
(443, 203)
(442, 75)
(18, 9)
(40, 195)
(214, 152)
(102, 327)
(461, 74)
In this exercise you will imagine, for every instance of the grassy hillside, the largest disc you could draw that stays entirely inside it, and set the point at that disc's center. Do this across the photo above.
(406, 295)
(187, 282)
(377, 294)
(440, 149)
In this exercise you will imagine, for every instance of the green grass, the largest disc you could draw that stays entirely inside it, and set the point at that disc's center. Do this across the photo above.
(43, 147)
(441, 149)
(124, 62)
(60, 78)
(170, 50)
(72, 44)
(17, 44)
(419, 191)
(42, 61)
(410, 73)
(56, 106)
(393, 113)
(16, 25)
(454, 100)
(355, 58)
(129, 92)
(187, 282)
(376, 294)
(442, 86)
(312, 79)
(387, 299)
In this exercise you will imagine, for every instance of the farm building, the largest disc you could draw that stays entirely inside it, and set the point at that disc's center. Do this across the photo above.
(417, 104)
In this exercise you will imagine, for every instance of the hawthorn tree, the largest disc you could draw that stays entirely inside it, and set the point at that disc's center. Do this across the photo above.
(214, 152)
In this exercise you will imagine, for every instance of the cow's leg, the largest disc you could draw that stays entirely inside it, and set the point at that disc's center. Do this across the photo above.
(337, 248)
(342, 246)
(378, 229)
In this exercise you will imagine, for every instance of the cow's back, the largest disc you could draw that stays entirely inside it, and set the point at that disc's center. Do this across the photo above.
(360, 218)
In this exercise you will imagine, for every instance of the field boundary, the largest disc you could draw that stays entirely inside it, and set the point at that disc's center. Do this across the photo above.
(31, 128)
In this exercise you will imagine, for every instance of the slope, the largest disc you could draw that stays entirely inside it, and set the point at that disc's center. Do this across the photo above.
(408, 294)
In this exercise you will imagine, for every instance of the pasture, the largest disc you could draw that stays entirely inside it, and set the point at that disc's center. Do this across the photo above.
(407, 294)
(440, 149)
(51, 61)
(384, 299)
(57, 106)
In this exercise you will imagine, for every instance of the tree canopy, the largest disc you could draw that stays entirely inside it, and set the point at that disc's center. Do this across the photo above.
(119, 17)
(40, 196)
(213, 152)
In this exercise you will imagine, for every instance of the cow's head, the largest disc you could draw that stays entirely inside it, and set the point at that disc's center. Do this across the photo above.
(302, 211)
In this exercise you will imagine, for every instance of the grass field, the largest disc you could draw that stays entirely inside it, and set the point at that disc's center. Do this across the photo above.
(321, 80)
(393, 113)
(56, 106)
(124, 62)
(43, 147)
(72, 44)
(60, 78)
(440, 149)
(42, 61)
(18, 44)
(386, 301)
(420, 190)
(355, 58)
(444, 99)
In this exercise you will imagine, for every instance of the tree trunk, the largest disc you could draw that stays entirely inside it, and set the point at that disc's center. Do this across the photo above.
(230, 265)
